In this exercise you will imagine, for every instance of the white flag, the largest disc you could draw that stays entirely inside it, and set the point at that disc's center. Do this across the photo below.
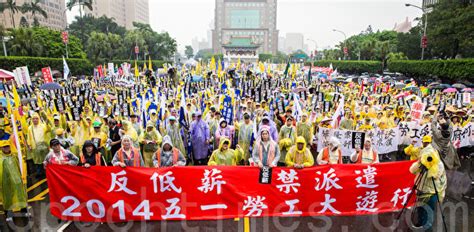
(66, 69)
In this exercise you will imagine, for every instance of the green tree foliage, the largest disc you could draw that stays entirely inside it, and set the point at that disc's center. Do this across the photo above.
(204, 54)
(368, 44)
(188, 51)
(265, 57)
(82, 27)
(409, 43)
(451, 29)
(34, 8)
(41, 41)
(12, 7)
(117, 43)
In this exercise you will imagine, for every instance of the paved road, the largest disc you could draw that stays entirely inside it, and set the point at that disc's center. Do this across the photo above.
(458, 211)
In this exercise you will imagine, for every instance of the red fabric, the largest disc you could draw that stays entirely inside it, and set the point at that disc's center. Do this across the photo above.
(47, 76)
(69, 184)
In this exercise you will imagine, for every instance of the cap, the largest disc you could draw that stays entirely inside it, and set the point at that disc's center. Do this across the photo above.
(172, 118)
(4, 143)
(54, 142)
(56, 117)
(426, 139)
(59, 131)
(96, 124)
(89, 143)
(153, 111)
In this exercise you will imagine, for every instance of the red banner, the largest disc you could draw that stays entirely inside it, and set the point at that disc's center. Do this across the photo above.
(47, 76)
(113, 194)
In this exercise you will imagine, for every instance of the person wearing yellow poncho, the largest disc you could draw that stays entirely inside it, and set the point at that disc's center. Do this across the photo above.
(347, 123)
(432, 186)
(127, 129)
(12, 189)
(151, 140)
(287, 139)
(245, 136)
(55, 122)
(299, 155)
(414, 152)
(305, 129)
(366, 126)
(38, 139)
(224, 155)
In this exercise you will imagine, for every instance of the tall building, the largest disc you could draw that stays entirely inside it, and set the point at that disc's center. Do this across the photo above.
(124, 12)
(245, 28)
(429, 3)
(294, 42)
(56, 10)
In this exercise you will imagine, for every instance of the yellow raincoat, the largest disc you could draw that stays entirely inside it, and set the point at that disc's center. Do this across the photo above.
(296, 156)
(228, 157)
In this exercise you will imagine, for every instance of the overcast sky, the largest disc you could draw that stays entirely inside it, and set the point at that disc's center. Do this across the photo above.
(186, 19)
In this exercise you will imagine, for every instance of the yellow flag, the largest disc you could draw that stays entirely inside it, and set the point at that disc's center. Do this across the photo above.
(144, 66)
(238, 64)
(219, 68)
(198, 68)
(150, 65)
(262, 67)
(16, 98)
(136, 69)
(105, 70)
(213, 64)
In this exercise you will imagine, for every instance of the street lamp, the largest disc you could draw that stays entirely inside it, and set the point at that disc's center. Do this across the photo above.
(423, 39)
(315, 47)
(345, 42)
(4, 40)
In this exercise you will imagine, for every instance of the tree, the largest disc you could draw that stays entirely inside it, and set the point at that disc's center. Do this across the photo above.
(23, 43)
(11, 6)
(81, 3)
(188, 51)
(203, 54)
(409, 43)
(280, 57)
(52, 40)
(83, 26)
(98, 47)
(34, 8)
(333, 54)
(24, 22)
(450, 29)
(298, 56)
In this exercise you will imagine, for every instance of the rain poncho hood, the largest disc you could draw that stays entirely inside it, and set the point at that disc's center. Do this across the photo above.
(300, 139)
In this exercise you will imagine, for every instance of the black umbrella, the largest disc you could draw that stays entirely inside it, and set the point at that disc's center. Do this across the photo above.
(51, 86)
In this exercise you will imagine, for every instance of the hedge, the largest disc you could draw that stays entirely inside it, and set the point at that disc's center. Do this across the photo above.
(352, 66)
(76, 66)
(458, 70)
